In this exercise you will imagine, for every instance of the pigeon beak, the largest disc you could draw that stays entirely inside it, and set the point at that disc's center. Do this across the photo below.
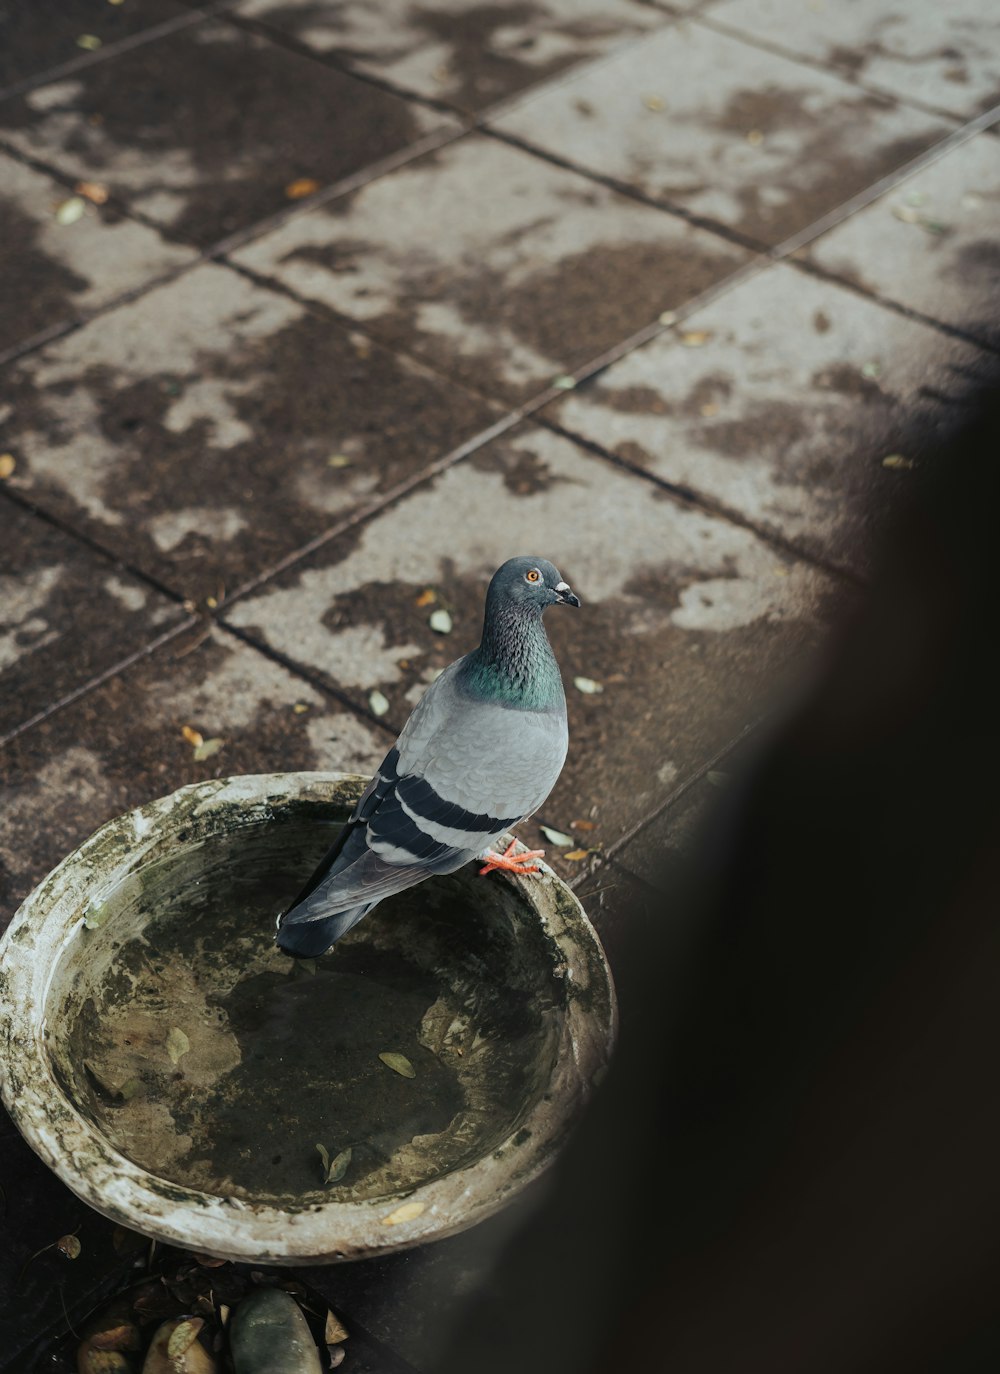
(566, 596)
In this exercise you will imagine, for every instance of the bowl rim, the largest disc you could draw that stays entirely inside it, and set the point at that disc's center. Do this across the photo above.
(52, 916)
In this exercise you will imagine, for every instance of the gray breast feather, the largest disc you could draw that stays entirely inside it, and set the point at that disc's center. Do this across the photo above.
(483, 756)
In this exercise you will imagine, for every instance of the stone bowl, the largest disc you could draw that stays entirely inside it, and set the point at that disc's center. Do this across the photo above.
(184, 1077)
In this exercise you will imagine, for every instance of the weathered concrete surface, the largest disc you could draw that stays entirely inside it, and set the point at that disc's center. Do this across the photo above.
(744, 137)
(931, 242)
(122, 745)
(149, 123)
(56, 271)
(66, 615)
(469, 54)
(781, 400)
(36, 38)
(688, 621)
(945, 55)
(513, 273)
(193, 430)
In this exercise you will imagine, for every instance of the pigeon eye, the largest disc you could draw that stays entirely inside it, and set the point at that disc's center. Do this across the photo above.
(532, 575)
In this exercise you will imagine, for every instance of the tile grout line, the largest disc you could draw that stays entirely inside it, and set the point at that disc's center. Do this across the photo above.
(109, 51)
(143, 652)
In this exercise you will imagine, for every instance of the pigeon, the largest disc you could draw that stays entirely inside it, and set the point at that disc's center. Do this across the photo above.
(480, 752)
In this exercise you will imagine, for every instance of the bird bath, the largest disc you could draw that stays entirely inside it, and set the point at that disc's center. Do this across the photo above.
(178, 1072)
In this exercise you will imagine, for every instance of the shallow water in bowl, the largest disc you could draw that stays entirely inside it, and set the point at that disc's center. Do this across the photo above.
(214, 1061)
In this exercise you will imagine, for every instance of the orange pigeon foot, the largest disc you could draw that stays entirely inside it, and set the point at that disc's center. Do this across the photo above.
(509, 862)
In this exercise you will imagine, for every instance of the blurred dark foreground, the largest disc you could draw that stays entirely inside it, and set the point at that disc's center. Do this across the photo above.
(795, 1161)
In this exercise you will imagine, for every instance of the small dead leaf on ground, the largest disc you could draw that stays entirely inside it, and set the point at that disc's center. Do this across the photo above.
(897, 461)
(69, 211)
(334, 1169)
(582, 825)
(556, 837)
(7, 465)
(575, 855)
(301, 187)
(588, 685)
(440, 622)
(93, 191)
(183, 1336)
(207, 748)
(379, 704)
(193, 736)
(89, 42)
(695, 338)
(426, 598)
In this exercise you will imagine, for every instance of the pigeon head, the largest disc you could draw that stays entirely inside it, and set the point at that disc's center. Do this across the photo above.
(530, 584)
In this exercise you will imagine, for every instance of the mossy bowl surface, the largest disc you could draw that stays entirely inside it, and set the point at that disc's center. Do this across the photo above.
(179, 1072)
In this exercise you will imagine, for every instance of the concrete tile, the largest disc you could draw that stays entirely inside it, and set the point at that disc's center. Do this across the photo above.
(933, 243)
(751, 140)
(192, 429)
(66, 614)
(35, 37)
(466, 52)
(796, 391)
(947, 55)
(121, 745)
(54, 272)
(513, 272)
(150, 124)
(687, 622)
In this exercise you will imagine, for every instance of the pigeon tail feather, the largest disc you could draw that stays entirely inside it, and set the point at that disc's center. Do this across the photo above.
(308, 939)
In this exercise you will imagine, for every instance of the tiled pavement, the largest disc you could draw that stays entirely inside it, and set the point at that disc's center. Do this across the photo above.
(369, 298)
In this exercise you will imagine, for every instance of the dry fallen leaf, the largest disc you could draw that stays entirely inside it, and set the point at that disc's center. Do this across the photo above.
(121, 1336)
(69, 211)
(334, 1331)
(587, 685)
(409, 1211)
(92, 191)
(399, 1063)
(300, 708)
(695, 338)
(582, 825)
(440, 622)
(576, 854)
(302, 186)
(207, 748)
(69, 1246)
(378, 703)
(426, 598)
(338, 460)
(89, 42)
(334, 1169)
(177, 1044)
(557, 837)
(192, 735)
(183, 1335)
(7, 465)
(897, 460)
(564, 383)
(667, 317)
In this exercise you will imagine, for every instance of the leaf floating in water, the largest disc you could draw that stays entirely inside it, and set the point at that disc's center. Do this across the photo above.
(334, 1169)
(334, 1331)
(378, 703)
(95, 916)
(177, 1044)
(207, 748)
(192, 735)
(409, 1211)
(440, 622)
(398, 1063)
(69, 1246)
(557, 837)
(70, 210)
(587, 685)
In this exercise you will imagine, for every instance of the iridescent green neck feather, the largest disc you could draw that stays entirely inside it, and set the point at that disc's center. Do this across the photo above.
(514, 665)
